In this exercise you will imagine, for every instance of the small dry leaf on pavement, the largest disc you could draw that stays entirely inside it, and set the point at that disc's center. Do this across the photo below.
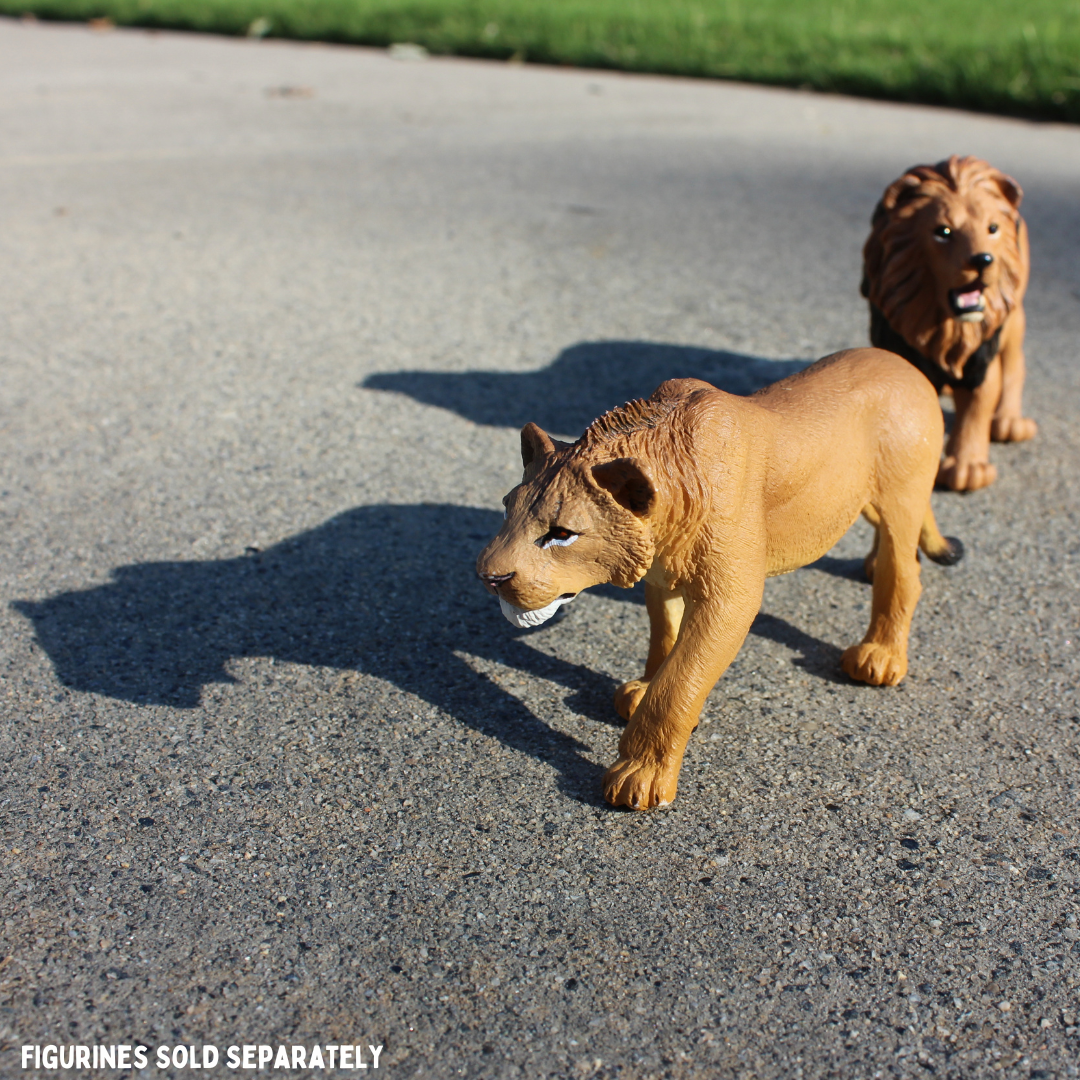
(290, 91)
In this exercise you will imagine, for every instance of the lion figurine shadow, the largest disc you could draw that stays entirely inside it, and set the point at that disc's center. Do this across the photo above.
(386, 590)
(581, 383)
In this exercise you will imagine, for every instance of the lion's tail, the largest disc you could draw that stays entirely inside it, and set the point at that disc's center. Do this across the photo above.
(946, 550)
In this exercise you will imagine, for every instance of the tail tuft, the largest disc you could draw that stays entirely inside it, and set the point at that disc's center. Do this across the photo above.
(952, 553)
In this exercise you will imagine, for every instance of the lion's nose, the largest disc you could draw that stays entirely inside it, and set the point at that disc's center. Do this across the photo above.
(495, 579)
(982, 260)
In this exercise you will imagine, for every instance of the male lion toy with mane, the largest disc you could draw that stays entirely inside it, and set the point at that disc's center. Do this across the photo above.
(705, 495)
(945, 269)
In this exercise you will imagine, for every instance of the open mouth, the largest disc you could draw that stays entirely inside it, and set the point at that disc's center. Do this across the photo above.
(520, 617)
(967, 300)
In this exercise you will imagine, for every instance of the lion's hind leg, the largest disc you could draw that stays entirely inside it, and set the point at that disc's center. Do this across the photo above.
(944, 550)
(881, 657)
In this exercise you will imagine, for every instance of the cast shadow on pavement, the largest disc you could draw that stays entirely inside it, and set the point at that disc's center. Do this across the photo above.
(581, 383)
(816, 657)
(386, 590)
(846, 569)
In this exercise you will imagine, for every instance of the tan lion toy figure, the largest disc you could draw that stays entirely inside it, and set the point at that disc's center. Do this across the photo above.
(945, 269)
(705, 495)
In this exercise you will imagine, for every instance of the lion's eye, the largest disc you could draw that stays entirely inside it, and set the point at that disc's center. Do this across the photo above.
(942, 232)
(994, 228)
(557, 536)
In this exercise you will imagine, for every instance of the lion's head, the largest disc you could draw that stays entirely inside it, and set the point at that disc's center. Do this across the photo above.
(945, 260)
(579, 517)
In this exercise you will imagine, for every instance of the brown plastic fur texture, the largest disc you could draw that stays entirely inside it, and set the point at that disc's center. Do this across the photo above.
(704, 495)
(946, 266)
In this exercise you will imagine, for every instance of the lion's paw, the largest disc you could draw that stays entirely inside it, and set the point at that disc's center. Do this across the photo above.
(628, 697)
(875, 664)
(1012, 429)
(640, 784)
(958, 474)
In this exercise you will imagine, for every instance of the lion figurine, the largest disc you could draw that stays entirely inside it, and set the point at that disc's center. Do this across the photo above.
(945, 269)
(704, 495)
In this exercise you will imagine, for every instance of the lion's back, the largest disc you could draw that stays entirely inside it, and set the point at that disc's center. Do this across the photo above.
(849, 424)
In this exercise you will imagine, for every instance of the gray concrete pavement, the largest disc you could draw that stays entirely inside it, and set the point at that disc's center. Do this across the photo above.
(274, 769)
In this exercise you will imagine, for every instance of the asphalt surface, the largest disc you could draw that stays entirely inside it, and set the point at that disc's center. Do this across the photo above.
(275, 769)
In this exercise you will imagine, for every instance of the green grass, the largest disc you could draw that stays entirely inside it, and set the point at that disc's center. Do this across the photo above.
(1020, 57)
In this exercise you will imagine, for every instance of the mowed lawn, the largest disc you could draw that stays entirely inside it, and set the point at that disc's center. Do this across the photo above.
(1009, 56)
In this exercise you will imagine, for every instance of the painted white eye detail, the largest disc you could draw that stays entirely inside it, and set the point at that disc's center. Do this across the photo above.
(558, 538)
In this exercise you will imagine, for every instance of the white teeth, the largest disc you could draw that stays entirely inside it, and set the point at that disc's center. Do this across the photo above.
(523, 619)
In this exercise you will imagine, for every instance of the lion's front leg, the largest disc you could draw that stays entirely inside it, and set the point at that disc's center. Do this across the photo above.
(966, 465)
(628, 697)
(665, 609)
(1009, 423)
(667, 709)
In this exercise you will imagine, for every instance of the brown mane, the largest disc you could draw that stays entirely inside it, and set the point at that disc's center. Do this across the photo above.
(897, 276)
(642, 414)
(668, 415)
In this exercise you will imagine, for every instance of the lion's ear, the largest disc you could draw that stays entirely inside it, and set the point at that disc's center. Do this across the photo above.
(627, 483)
(898, 193)
(1009, 188)
(536, 444)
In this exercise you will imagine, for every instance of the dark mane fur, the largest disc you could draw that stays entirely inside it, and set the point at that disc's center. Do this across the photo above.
(899, 279)
(643, 414)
